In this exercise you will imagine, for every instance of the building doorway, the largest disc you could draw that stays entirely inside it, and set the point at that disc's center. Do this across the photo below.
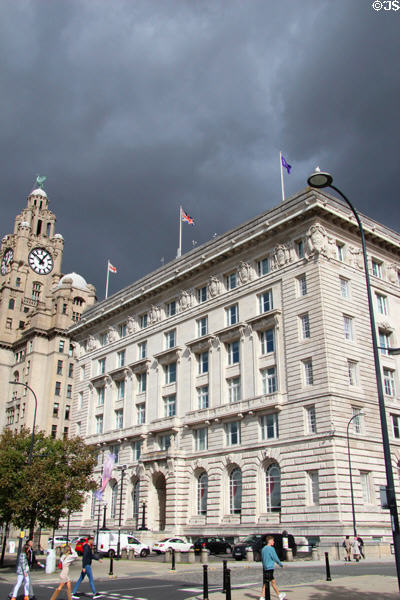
(160, 488)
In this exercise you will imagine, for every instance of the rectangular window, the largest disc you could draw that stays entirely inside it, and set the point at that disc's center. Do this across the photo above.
(141, 413)
(308, 372)
(115, 450)
(164, 442)
(8, 323)
(121, 358)
(305, 326)
(300, 248)
(313, 483)
(269, 383)
(61, 345)
(142, 350)
(122, 330)
(234, 389)
(344, 287)
(99, 423)
(103, 339)
(202, 294)
(119, 418)
(340, 251)
(59, 367)
(202, 326)
(265, 301)
(357, 419)
(302, 285)
(348, 328)
(57, 389)
(80, 400)
(136, 449)
(232, 314)
(232, 432)
(201, 439)
(269, 427)
(142, 382)
(365, 480)
(56, 408)
(203, 363)
(100, 396)
(170, 339)
(388, 381)
(267, 339)
(396, 426)
(384, 341)
(233, 352)
(101, 366)
(170, 373)
(83, 373)
(382, 304)
(54, 431)
(120, 390)
(170, 405)
(171, 308)
(143, 321)
(202, 397)
(377, 268)
(67, 412)
(70, 370)
(231, 281)
(352, 369)
(69, 390)
(263, 266)
(78, 428)
(311, 419)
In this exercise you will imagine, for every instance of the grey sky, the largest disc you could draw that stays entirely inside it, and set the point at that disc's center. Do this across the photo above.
(134, 107)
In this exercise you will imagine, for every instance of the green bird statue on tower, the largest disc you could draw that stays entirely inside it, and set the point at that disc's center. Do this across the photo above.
(40, 179)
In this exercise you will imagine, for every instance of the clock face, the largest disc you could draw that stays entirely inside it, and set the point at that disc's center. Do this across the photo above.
(40, 260)
(7, 258)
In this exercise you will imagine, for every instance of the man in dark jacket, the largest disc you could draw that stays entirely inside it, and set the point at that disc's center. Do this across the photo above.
(87, 558)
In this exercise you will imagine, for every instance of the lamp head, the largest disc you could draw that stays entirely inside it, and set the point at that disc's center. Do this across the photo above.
(320, 179)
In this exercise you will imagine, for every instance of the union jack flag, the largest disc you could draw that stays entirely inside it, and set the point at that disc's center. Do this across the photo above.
(186, 218)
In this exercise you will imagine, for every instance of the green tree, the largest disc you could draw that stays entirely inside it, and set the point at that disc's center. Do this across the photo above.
(53, 485)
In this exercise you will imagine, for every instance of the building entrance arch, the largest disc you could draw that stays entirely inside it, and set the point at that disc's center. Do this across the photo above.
(160, 498)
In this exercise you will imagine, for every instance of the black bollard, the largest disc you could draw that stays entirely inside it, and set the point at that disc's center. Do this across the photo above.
(328, 569)
(173, 560)
(224, 567)
(205, 582)
(228, 585)
(111, 566)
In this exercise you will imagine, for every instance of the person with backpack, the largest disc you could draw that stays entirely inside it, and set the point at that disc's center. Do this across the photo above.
(87, 558)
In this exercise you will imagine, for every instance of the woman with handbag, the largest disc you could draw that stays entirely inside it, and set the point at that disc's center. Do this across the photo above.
(66, 560)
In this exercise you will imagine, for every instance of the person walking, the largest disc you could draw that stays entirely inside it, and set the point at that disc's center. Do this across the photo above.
(356, 550)
(67, 559)
(87, 558)
(22, 574)
(361, 544)
(269, 558)
(347, 546)
(32, 561)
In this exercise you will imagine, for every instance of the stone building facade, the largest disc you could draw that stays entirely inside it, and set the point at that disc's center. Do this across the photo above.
(37, 306)
(224, 381)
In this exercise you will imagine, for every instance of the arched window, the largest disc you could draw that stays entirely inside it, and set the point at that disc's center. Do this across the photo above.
(135, 499)
(16, 375)
(36, 287)
(202, 494)
(114, 498)
(93, 506)
(273, 488)
(235, 491)
(78, 301)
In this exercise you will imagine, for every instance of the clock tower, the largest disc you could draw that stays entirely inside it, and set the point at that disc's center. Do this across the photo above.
(37, 305)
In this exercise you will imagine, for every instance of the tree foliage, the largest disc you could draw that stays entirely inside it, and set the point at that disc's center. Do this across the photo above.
(51, 486)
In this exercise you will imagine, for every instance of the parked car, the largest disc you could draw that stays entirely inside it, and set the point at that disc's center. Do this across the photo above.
(177, 544)
(214, 545)
(79, 545)
(59, 540)
(257, 541)
(108, 544)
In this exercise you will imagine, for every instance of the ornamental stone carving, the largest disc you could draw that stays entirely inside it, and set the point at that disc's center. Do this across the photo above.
(112, 334)
(214, 286)
(393, 273)
(355, 257)
(185, 300)
(244, 272)
(280, 257)
(317, 242)
(131, 325)
(91, 343)
(154, 314)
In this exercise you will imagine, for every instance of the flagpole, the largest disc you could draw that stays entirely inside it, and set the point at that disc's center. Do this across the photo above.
(108, 274)
(180, 233)
(282, 184)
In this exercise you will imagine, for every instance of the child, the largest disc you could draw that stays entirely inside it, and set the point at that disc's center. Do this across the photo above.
(22, 574)
(269, 557)
(67, 558)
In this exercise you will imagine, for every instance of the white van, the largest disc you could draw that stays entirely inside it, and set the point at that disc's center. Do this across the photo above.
(108, 544)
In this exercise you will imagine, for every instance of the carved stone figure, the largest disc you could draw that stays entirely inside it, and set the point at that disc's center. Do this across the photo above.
(244, 272)
(91, 343)
(131, 325)
(355, 257)
(112, 334)
(317, 240)
(185, 300)
(154, 314)
(214, 286)
(281, 256)
(393, 273)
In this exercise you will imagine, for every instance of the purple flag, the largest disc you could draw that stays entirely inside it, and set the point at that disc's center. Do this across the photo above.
(107, 472)
(285, 164)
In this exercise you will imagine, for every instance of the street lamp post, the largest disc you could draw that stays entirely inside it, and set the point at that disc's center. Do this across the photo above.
(322, 180)
(34, 418)
(122, 469)
(350, 473)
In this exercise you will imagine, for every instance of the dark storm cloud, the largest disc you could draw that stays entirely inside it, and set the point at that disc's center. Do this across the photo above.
(133, 108)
